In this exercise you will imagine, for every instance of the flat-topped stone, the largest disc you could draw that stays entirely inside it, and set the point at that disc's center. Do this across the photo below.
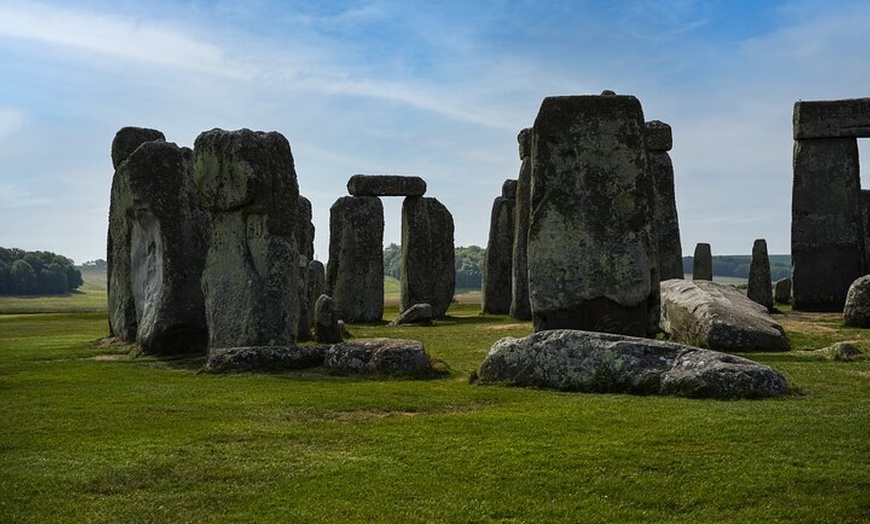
(386, 185)
(832, 118)
(659, 136)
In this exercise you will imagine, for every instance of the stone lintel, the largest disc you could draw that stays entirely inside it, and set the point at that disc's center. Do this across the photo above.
(386, 185)
(509, 189)
(832, 118)
(659, 136)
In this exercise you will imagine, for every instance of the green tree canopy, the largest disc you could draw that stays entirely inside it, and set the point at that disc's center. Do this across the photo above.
(36, 273)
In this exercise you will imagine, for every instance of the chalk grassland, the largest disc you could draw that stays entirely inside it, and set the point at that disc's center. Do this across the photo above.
(90, 434)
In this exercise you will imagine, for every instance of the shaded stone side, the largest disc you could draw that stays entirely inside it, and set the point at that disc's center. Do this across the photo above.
(667, 226)
(827, 234)
(316, 286)
(155, 195)
(865, 216)
(428, 270)
(702, 262)
(782, 291)
(386, 185)
(591, 248)
(521, 309)
(355, 272)
(247, 180)
(760, 287)
(122, 309)
(659, 136)
(497, 273)
(831, 118)
(305, 243)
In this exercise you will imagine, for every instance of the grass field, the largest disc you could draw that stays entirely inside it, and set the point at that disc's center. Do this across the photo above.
(90, 434)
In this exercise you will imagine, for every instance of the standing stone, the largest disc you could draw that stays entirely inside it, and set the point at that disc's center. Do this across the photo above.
(702, 263)
(428, 270)
(247, 180)
(305, 242)
(327, 328)
(122, 308)
(827, 236)
(355, 272)
(497, 274)
(386, 185)
(591, 248)
(521, 309)
(782, 291)
(865, 215)
(659, 140)
(760, 288)
(316, 286)
(856, 311)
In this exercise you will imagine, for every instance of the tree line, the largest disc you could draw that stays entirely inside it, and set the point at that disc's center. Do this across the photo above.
(36, 273)
(468, 263)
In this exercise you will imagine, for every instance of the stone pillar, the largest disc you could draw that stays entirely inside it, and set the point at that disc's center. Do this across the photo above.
(155, 197)
(316, 285)
(760, 287)
(827, 236)
(702, 263)
(782, 291)
(428, 270)
(355, 272)
(520, 307)
(305, 242)
(591, 248)
(497, 272)
(122, 308)
(865, 215)
(659, 140)
(247, 180)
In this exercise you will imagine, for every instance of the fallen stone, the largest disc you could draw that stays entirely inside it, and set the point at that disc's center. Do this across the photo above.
(386, 185)
(379, 356)
(719, 317)
(842, 351)
(571, 360)
(420, 314)
(856, 311)
(264, 359)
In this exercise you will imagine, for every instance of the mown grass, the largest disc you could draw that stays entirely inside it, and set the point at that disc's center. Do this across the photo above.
(92, 435)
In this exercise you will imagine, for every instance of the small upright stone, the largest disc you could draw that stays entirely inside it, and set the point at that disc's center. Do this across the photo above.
(428, 271)
(856, 311)
(386, 185)
(509, 189)
(127, 139)
(247, 181)
(420, 314)
(591, 247)
(521, 309)
(702, 264)
(497, 274)
(355, 272)
(760, 288)
(782, 291)
(316, 286)
(327, 329)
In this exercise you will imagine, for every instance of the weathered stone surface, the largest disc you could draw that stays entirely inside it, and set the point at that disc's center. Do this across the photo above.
(155, 204)
(247, 180)
(659, 136)
(355, 272)
(782, 291)
(497, 271)
(127, 139)
(381, 356)
(718, 317)
(420, 314)
(856, 311)
(865, 215)
(327, 329)
(832, 118)
(386, 185)
(122, 309)
(702, 262)
(428, 272)
(827, 237)
(305, 242)
(591, 247)
(760, 287)
(509, 189)
(667, 225)
(842, 351)
(264, 359)
(521, 309)
(316, 280)
(573, 360)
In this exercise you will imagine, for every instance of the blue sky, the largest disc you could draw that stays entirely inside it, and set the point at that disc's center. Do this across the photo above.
(433, 88)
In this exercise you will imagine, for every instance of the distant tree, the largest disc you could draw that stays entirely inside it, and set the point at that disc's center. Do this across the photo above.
(36, 272)
(22, 278)
(393, 261)
(95, 264)
(469, 266)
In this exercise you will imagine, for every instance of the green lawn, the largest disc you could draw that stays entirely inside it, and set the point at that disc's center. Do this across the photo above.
(89, 434)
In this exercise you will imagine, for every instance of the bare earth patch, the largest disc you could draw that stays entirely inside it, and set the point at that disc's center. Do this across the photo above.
(502, 327)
